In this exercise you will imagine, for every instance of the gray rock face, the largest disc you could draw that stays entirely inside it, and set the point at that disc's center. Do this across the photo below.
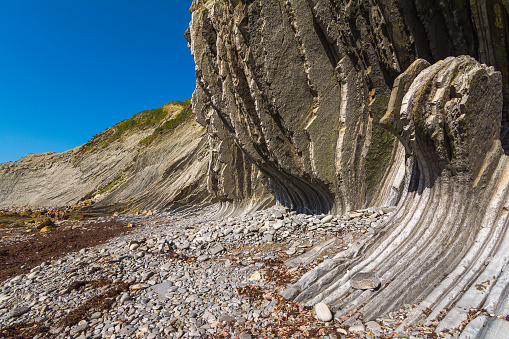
(295, 90)
(448, 119)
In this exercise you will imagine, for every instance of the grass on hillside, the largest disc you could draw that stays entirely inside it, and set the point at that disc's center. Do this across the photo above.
(168, 125)
(141, 119)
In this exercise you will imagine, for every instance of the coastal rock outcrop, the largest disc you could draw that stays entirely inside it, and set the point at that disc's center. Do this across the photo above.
(138, 163)
(295, 90)
(330, 101)
(448, 235)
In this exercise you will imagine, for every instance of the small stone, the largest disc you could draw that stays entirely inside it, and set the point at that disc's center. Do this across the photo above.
(82, 325)
(226, 318)
(326, 219)
(291, 251)
(245, 336)
(357, 328)
(216, 249)
(365, 281)
(134, 246)
(322, 312)
(278, 215)
(268, 238)
(4, 297)
(255, 276)
(277, 225)
(184, 245)
(146, 275)
(96, 315)
(202, 258)
(47, 229)
(355, 215)
(16, 312)
(374, 326)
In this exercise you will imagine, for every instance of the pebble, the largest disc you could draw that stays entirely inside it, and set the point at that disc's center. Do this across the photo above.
(217, 249)
(322, 312)
(357, 328)
(16, 312)
(175, 298)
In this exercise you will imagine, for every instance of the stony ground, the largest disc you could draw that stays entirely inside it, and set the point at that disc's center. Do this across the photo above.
(184, 275)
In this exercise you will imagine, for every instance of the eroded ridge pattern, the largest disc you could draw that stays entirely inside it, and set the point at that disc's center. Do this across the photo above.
(446, 245)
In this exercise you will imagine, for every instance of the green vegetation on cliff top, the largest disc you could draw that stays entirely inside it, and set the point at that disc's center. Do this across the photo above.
(142, 119)
(169, 124)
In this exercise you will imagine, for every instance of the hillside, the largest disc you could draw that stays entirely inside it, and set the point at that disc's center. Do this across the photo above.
(156, 158)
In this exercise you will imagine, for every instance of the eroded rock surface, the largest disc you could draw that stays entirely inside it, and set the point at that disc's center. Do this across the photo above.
(295, 90)
(448, 234)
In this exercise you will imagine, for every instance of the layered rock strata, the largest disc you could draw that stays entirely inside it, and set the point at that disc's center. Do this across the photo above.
(446, 245)
(115, 173)
(295, 90)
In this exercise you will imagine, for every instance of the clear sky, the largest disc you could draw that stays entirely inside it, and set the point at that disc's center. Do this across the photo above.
(69, 69)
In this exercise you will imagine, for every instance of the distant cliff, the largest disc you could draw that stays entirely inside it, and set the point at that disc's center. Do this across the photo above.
(156, 158)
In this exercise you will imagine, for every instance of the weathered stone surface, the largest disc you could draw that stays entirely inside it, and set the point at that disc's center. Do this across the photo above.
(298, 88)
(365, 280)
(449, 122)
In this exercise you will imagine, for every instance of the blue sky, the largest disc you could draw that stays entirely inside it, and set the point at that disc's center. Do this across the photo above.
(69, 69)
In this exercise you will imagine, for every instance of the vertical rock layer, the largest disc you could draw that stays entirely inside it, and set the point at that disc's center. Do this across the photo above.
(295, 89)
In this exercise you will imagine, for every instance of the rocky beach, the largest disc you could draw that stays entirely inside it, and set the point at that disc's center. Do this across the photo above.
(341, 171)
(192, 274)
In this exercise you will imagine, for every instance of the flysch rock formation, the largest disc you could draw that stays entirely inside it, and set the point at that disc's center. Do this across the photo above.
(333, 106)
(449, 234)
(329, 100)
(297, 88)
(116, 169)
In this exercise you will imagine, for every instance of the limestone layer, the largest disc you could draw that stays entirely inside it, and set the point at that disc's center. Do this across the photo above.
(448, 235)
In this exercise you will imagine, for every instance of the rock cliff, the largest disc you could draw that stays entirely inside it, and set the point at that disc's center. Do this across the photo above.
(154, 159)
(295, 89)
(344, 105)
(448, 235)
